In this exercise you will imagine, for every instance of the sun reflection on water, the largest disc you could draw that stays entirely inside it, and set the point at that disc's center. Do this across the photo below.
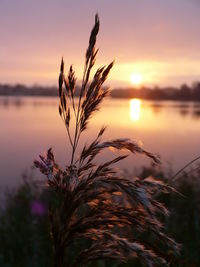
(135, 108)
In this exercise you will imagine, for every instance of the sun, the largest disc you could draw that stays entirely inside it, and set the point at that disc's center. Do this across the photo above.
(136, 79)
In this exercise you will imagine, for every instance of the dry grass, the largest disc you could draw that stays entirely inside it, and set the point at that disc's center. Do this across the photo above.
(96, 202)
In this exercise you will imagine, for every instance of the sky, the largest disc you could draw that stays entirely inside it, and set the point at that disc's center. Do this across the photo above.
(156, 39)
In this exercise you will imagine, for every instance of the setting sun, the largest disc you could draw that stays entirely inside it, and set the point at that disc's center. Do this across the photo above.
(136, 78)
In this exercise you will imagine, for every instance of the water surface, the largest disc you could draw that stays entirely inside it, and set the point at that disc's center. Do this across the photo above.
(29, 126)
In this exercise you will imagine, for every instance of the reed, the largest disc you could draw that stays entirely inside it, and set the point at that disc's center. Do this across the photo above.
(97, 203)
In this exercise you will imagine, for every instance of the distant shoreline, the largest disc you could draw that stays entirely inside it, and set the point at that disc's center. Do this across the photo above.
(184, 93)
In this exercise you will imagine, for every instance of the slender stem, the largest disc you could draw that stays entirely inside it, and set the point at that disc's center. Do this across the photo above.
(77, 139)
(68, 132)
(70, 139)
(59, 257)
(73, 105)
(77, 116)
(174, 178)
(86, 75)
(72, 159)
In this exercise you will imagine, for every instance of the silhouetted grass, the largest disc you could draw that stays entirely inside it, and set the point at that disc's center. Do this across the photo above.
(100, 213)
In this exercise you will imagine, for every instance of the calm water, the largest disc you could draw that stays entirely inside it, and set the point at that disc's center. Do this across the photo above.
(29, 126)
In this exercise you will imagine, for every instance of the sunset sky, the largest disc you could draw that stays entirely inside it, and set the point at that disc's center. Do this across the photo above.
(157, 39)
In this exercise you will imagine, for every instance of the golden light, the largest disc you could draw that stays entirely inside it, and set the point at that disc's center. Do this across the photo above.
(135, 107)
(136, 79)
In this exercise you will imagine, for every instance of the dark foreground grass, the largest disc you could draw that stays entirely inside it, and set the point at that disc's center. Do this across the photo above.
(24, 227)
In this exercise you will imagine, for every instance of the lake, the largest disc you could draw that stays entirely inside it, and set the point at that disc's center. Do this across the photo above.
(30, 125)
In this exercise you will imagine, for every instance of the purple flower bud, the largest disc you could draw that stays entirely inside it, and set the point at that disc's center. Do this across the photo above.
(37, 208)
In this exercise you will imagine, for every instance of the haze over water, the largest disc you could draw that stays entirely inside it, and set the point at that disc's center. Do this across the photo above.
(29, 126)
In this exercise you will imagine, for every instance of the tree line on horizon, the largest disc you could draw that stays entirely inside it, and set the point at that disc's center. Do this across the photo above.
(183, 93)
